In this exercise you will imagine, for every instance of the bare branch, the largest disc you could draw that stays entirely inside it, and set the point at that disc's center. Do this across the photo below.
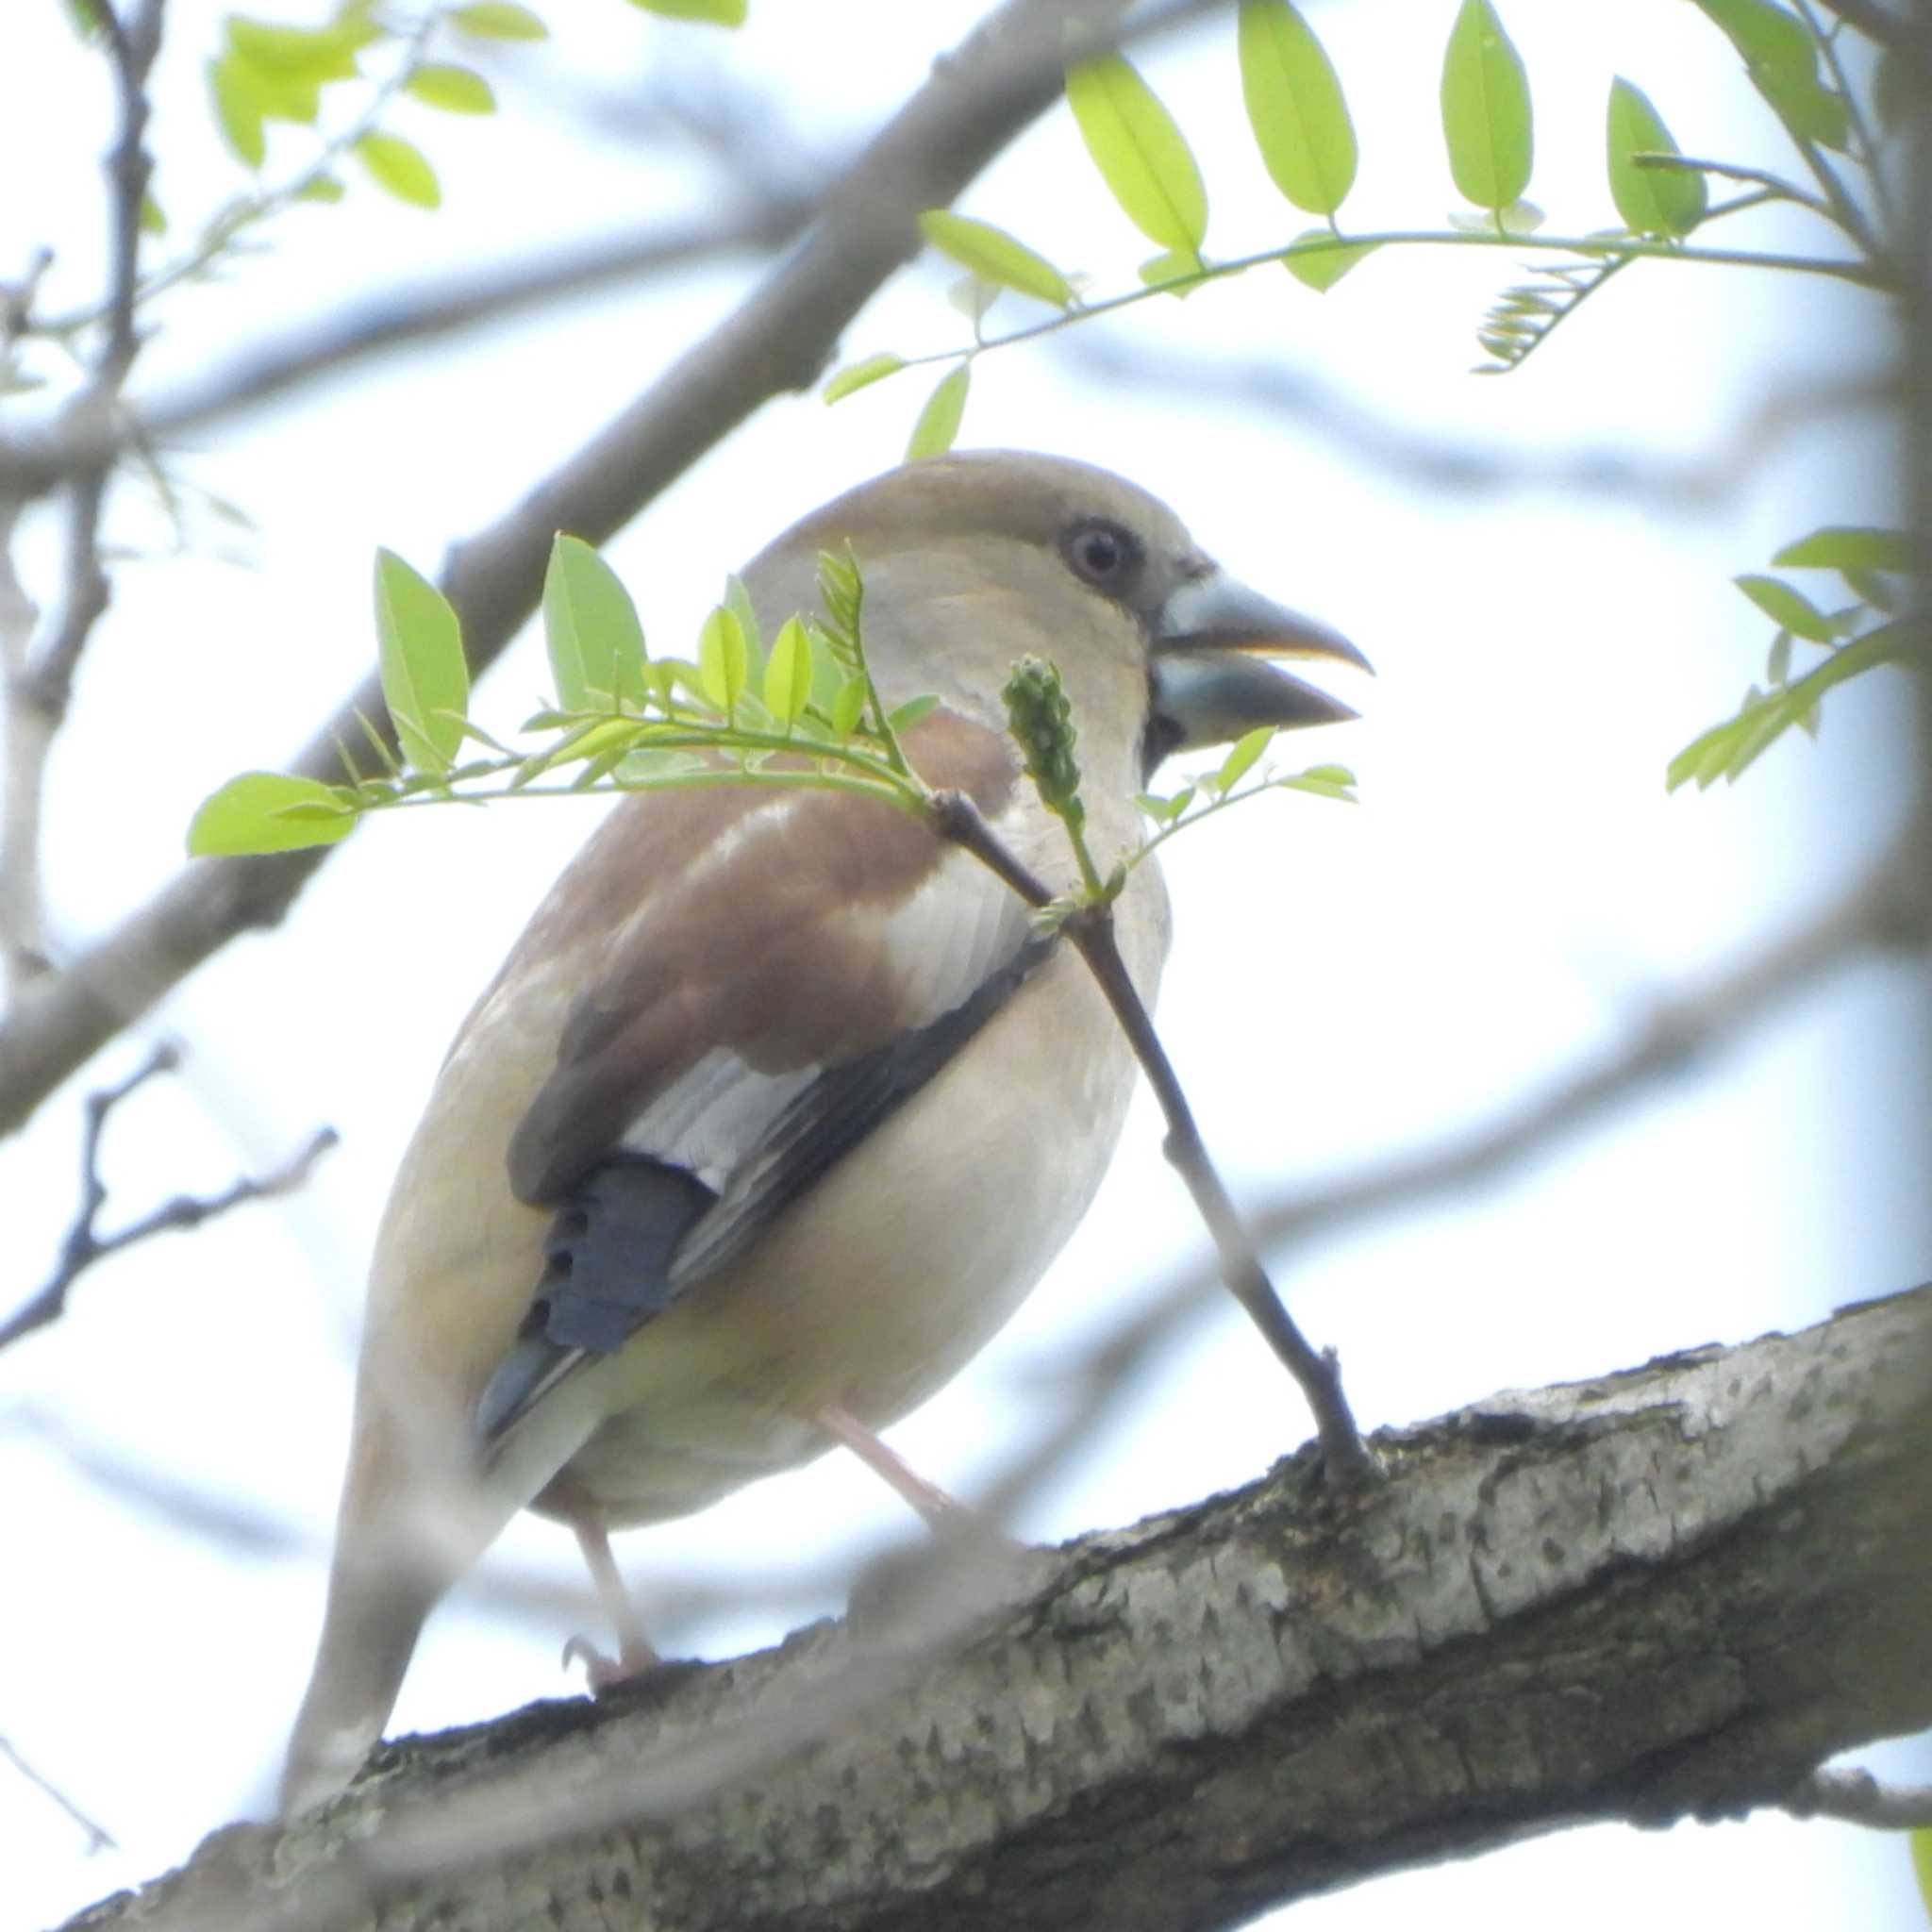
(99, 1839)
(1090, 930)
(83, 1246)
(39, 682)
(1888, 908)
(1005, 73)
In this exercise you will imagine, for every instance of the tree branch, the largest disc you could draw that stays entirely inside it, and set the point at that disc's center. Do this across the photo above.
(1002, 76)
(84, 1247)
(1664, 1593)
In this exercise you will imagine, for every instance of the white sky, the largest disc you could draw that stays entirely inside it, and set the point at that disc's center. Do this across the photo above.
(1513, 888)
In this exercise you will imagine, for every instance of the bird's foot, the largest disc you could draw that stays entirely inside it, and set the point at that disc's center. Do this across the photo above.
(602, 1673)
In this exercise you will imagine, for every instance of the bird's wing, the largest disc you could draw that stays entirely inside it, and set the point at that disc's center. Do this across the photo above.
(789, 968)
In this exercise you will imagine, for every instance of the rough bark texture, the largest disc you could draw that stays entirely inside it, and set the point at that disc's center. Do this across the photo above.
(1669, 1591)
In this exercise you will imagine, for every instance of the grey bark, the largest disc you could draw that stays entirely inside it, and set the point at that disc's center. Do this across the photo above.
(1671, 1592)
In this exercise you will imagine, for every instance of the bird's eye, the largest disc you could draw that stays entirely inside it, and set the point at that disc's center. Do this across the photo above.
(1103, 554)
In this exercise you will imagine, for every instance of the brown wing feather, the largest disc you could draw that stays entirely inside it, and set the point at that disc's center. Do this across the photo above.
(751, 923)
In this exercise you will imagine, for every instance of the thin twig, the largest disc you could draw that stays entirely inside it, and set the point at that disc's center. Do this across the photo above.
(99, 1839)
(84, 1247)
(1091, 930)
(1856, 1797)
(39, 681)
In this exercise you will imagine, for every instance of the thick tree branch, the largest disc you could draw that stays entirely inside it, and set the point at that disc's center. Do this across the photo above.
(1657, 1594)
(1002, 76)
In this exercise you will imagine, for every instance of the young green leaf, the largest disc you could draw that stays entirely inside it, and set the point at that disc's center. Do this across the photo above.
(715, 12)
(848, 707)
(1241, 761)
(1786, 606)
(857, 376)
(240, 109)
(1849, 546)
(939, 421)
(315, 55)
(1486, 113)
(788, 674)
(1295, 106)
(723, 659)
(322, 188)
(1176, 269)
(425, 683)
(591, 630)
(909, 714)
(1777, 660)
(497, 20)
(1652, 201)
(153, 221)
(738, 601)
(1781, 57)
(454, 89)
(1317, 259)
(994, 255)
(400, 169)
(249, 815)
(1141, 154)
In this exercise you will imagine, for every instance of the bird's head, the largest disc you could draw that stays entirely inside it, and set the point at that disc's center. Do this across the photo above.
(975, 559)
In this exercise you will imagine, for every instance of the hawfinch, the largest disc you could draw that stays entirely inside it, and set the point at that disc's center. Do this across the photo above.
(780, 1105)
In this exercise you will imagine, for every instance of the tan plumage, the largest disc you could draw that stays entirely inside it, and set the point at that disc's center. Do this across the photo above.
(809, 1007)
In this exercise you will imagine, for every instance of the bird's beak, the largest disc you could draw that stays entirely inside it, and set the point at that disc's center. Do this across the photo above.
(1210, 682)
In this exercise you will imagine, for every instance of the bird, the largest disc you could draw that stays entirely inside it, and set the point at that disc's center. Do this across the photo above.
(782, 1103)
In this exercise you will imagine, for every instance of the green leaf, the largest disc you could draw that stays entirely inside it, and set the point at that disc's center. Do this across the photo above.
(1781, 57)
(788, 672)
(316, 54)
(325, 188)
(994, 255)
(906, 716)
(1922, 1865)
(857, 376)
(249, 814)
(1850, 546)
(1786, 606)
(497, 20)
(1777, 660)
(1241, 761)
(738, 601)
(426, 682)
(1141, 154)
(153, 221)
(1316, 257)
(848, 707)
(1295, 106)
(723, 659)
(717, 12)
(239, 109)
(393, 165)
(454, 89)
(1177, 268)
(1652, 201)
(1486, 115)
(939, 421)
(591, 630)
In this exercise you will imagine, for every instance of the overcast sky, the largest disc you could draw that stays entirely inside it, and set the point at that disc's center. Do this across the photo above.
(1514, 889)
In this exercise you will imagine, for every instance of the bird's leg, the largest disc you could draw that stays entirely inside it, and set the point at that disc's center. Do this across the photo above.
(634, 1653)
(940, 1510)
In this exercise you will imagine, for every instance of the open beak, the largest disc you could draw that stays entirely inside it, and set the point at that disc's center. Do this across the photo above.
(1211, 681)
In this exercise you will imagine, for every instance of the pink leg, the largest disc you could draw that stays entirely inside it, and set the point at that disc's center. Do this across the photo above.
(938, 1510)
(634, 1653)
